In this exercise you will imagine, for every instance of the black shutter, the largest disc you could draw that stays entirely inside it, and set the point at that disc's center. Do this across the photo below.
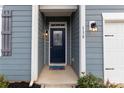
(6, 33)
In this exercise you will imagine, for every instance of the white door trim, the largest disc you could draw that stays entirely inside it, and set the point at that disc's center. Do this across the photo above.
(65, 41)
(82, 38)
(110, 17)
(34, 49)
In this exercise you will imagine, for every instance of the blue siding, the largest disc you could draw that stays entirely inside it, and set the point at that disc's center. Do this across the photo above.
(94, 40)
(40, 43)
(18, 66)
(75, 40)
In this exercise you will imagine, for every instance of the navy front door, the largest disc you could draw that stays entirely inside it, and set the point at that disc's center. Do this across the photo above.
(57, 45)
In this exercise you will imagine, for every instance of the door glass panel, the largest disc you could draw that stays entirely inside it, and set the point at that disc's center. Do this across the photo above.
(57, 38)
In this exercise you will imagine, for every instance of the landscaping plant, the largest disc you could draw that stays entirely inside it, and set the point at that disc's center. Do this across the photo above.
(3, 82)
(110, 85)
(90, 81)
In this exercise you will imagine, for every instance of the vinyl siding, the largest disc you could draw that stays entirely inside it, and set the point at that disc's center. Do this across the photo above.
(18, 66)
(40, 43)
(94, 40)
(75, 40)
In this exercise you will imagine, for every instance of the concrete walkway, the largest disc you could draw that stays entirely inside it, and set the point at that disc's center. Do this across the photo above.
(57, 78)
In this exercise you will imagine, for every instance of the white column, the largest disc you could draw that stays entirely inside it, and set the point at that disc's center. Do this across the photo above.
(82, 53)
(34, 54)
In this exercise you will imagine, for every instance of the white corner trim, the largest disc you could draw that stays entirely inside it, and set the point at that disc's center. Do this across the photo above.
(82, 48)
(103, 14)
(113, 16)
(34, 50)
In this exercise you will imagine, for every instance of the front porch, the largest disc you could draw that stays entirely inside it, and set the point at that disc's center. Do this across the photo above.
(58, 44)
(57, 78)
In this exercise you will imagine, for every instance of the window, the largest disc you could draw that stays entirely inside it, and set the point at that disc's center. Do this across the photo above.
(57, 38)
(57, 24)
(1, 7)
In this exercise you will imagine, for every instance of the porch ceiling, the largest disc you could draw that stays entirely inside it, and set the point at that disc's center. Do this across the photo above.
(58, 10)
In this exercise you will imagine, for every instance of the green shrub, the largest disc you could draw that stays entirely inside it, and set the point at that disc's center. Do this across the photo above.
(111, 85)
(3, 82)
(90, 81)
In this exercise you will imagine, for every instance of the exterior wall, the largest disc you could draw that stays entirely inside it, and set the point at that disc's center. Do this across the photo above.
(60, 19)
(18, 66)
(40, 43)
(94, 40)
(75, 40)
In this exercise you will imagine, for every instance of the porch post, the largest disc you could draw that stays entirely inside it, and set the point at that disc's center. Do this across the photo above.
(82, 53)
(34, 49)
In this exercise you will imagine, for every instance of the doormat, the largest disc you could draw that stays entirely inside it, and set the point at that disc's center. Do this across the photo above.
(57, 67)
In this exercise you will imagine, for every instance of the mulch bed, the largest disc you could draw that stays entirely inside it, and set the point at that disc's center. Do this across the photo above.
(77, 86)
(23, 85)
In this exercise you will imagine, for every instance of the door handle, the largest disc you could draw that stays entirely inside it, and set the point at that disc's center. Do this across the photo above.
(50, 47)
(109, 35)
(109, 69)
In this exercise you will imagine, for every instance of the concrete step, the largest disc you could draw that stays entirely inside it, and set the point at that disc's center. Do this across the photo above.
(66, 78)
(58, 86)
